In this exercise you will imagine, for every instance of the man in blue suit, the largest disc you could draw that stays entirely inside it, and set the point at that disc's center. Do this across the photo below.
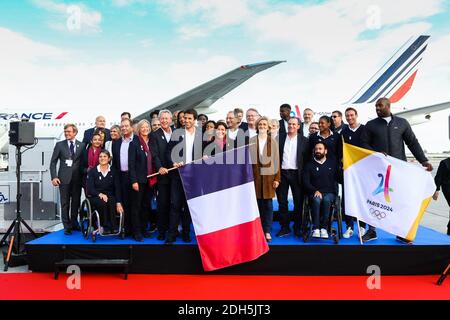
(100, 123)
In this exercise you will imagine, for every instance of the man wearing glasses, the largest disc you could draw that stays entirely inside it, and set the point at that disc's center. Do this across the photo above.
(338, 124)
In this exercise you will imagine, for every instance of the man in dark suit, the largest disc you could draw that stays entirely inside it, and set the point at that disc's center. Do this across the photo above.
(159, 141)
(239, 114)
(186, 145)
(100, 123)
(120, 162)
(285, 115)
(68, 178)
(294, 153)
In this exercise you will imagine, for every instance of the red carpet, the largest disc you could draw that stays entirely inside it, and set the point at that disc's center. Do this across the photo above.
(219, 287)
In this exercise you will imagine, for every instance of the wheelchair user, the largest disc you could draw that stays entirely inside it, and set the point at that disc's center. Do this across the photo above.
(320, 178)
(103, 192)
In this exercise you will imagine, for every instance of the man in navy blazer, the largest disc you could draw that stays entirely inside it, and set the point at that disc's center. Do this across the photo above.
(100, 123)
(120, 163)
(68, 177)
(294, 152)
(186, 145)
(159, 141)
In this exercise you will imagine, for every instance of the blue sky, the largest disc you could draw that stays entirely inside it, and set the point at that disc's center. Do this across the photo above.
(143, 52)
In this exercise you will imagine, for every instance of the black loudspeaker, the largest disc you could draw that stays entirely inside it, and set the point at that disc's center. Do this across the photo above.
(21, 133)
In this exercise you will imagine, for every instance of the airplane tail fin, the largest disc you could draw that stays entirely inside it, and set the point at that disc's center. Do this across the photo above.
(396, 76)
(296, 113)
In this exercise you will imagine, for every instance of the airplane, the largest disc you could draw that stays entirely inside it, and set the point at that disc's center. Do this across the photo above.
(50, 123)
(393, 80)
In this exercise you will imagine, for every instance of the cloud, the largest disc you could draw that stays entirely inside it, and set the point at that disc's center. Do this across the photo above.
(126, 3)
(122, 3)
(20, 48)
(210, 14)
(339, 25)
(34, 74)
(75, 18)
(191, 32)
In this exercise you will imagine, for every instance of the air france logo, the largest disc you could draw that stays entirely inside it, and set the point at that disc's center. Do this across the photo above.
(32, 116)
(384, 185)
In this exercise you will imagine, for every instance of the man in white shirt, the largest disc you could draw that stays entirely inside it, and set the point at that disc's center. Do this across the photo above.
(159, 141)
(252, 116)
(232, 123)
(294, 151)
(308, 118)
(186, 145)
(120, 162)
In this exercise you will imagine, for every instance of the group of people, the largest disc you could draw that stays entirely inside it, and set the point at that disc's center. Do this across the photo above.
(122, 169)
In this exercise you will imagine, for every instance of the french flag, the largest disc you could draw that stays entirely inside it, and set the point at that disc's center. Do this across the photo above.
(222, 202)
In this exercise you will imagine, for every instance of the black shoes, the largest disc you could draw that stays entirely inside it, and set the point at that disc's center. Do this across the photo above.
(369, 236)
(147, 234)
(67, 232)
(153, 228)
(186, 237)
(76, 226)
(161, 236)
(138, 237)
(170, 240)
(283, 232)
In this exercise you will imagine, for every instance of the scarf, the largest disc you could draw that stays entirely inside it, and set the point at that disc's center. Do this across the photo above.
(93, 154)
(221, 143)
(152, 181)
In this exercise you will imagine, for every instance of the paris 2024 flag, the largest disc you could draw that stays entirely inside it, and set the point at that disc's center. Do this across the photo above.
(386, 192)
(222, 202)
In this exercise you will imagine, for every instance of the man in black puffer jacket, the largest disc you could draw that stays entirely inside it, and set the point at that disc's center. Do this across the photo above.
(389, 134)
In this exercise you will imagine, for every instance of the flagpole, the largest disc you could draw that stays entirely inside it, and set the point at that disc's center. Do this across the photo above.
(359, 231)
(157, 173)
(173, 168)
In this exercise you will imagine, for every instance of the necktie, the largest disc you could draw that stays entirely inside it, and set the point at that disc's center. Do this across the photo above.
(72, 149)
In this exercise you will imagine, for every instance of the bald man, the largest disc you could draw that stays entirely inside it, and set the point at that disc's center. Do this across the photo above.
(100, 123)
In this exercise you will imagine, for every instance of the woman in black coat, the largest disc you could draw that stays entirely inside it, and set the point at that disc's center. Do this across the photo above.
(140, 166)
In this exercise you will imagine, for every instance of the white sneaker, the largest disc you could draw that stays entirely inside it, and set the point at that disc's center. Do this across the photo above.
(323, 233)
(362, 231)
(348, 233)
(316, 233)
(268, 237)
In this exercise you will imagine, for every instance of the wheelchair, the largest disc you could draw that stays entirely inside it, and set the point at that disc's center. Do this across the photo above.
(335, 215)
(90, 223)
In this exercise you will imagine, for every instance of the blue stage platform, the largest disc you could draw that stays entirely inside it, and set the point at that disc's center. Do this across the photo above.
(429, 254)
(425, 237)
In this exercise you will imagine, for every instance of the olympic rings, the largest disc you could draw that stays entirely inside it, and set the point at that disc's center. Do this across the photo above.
(377, 214)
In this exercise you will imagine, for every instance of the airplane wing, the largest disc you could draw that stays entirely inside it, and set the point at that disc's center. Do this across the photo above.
(422, 114)
(206, 94)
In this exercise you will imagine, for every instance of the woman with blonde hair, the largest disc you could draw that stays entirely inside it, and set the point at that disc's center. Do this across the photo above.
(266, 172)
(140, 166)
